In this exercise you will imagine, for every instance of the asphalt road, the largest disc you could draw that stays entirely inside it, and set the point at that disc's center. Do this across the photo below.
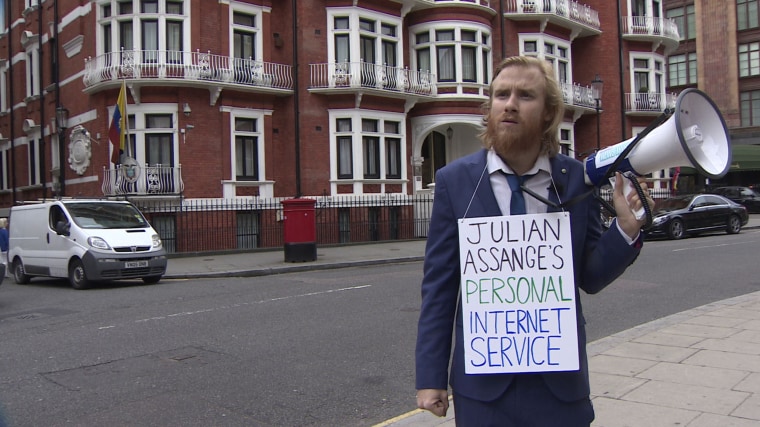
(304, 349)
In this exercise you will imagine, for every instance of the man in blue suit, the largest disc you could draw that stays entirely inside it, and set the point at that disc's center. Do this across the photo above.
(522, 118)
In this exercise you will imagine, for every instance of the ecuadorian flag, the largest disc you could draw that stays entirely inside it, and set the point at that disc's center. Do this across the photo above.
(118, 128)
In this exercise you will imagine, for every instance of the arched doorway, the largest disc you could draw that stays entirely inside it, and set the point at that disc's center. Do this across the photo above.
(434, 155)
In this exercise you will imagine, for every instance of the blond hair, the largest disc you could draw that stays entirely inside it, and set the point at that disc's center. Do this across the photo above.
(554, 102)
(3, 222)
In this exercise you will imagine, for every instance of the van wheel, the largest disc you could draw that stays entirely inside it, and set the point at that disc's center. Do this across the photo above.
(151, 280)
(18, 273)
(77, 276)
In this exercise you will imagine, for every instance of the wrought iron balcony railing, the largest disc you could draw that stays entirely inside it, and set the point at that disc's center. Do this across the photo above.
(367, 75)
(649, 103)
(650, 28)
(577, 95)
(192, 66)
(147, 181)
(566, 9)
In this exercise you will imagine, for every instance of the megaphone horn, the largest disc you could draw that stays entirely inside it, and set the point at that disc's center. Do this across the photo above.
(695, 135)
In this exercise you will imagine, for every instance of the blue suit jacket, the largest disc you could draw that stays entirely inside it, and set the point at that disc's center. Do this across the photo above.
(598, 258)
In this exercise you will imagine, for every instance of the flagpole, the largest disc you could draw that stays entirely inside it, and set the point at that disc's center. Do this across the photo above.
(127, 142)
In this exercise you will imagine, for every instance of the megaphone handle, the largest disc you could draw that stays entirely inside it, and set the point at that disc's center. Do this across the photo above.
(632, 184)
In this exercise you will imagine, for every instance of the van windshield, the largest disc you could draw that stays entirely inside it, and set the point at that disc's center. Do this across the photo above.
(106, 215)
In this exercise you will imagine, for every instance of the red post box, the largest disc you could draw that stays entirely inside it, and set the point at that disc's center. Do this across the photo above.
(299, 230)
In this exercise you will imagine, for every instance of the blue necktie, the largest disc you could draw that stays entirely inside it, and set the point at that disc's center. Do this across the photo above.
(517, 202)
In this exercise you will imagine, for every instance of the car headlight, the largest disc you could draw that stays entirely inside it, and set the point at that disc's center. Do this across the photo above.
(156, 241)
(659, 220)
(97, 242)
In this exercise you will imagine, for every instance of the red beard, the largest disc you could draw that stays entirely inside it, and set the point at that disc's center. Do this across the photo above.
(505, 140)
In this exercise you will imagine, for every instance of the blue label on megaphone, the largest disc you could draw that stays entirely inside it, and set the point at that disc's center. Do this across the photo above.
(598, 163)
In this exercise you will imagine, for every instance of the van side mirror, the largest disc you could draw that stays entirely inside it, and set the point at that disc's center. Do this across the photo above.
(62, 228)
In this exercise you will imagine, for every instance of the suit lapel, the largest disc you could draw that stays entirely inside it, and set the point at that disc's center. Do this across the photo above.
(560, 178)
(484, 203)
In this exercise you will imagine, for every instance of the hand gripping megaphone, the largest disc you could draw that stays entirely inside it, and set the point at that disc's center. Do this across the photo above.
(695, 135)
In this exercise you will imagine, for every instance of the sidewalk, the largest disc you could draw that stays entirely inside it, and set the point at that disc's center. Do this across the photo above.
(698, 368)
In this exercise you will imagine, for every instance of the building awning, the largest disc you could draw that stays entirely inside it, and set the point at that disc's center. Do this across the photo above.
(743, 158)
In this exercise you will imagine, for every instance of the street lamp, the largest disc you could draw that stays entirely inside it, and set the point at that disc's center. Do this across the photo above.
(61, 123)
(597, 85)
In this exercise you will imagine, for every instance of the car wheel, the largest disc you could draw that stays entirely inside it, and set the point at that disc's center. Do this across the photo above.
(77, 276)
(675, 230)
(734, 225)
(151, 280)
(18, 272)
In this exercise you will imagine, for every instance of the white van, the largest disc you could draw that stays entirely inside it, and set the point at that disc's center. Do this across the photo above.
(84, 240)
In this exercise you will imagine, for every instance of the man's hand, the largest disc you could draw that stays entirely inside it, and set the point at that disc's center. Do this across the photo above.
(433, 400)
(626, 206)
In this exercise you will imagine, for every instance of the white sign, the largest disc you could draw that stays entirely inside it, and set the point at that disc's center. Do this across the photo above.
(518, 294)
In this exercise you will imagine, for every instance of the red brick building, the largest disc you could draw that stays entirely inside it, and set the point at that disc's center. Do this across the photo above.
(263, 99)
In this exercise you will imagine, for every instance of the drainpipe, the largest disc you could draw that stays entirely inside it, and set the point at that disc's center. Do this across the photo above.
(501, 25)
(55, 53)
(295, 100)
(10, 100)
(43, 119)
(622, 73)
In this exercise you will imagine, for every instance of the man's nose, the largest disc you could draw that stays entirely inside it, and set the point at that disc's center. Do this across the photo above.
(511, 103)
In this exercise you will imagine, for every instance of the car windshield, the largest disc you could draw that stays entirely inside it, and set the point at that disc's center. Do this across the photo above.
(748, 192)
(669, 205)
(106, 215)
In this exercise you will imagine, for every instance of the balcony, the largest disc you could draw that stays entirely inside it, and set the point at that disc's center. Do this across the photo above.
(155, 180)
(649, 103)
(410, 4)
(365, 77)
(577, 97)
(194, 69)
(580, 19)
(658, 31)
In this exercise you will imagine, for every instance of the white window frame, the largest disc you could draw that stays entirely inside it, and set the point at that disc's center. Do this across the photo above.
(34, 140)
(260, 152)
(5, 163)
(136, 17)
(140, 129)
(356, 117)
(30, 4)
(483, 71)
(649, 9)
(230, 185)
(655, 76)
(355, 15)
(542, 41)
(569, 143)
(32, 61)
(257, 12)
(3, 86)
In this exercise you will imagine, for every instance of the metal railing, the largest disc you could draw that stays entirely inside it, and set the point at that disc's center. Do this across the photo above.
(148, 180)
(568, 9)
(575, 94)
(649, 102)
(651, 26)
(369, 75)
(197, 66)
(233, 224)
(187, 226)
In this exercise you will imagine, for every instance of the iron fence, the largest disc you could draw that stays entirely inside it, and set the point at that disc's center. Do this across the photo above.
(224, 225)
(228, 225)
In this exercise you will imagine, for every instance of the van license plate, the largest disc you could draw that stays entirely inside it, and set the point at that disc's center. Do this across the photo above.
(135, 264)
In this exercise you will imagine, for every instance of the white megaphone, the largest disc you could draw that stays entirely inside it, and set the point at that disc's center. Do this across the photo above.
(695, 135)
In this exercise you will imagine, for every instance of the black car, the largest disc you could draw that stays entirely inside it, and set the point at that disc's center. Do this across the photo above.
(746, 196)
(677, 217)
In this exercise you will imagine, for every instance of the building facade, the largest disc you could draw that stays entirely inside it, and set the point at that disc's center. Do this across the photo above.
(270, 99)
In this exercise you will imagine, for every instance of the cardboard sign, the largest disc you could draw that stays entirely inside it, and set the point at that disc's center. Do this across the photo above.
(518, 294)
